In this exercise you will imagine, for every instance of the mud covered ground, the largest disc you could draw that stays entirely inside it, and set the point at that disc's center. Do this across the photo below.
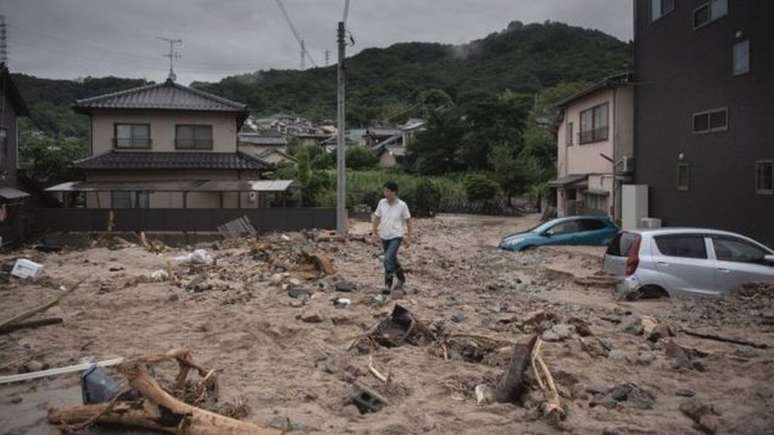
(295, 371)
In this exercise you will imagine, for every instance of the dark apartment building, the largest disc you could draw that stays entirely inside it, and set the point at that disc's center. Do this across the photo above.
(704, 113)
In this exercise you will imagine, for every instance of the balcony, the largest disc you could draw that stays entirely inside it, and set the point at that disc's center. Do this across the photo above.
(593, 135)
(132, 142)
(193, 144)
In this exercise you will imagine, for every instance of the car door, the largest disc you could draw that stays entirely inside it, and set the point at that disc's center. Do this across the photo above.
(738, 261)
(561, 233)
(684, 264)
(593, 232)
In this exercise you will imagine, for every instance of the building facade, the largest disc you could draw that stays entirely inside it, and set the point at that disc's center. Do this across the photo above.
(166, 146)
(11, 197)
(594, 148)
(703, 106)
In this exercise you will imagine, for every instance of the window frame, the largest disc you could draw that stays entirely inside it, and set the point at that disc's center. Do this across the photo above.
(687, 186)
(210, 144)
(712, 18)
(661, 10)
(733, 58)
(594, 130)
(741, 241)
(758, 190)
(131, 147)
(134, 198)
(709, 113)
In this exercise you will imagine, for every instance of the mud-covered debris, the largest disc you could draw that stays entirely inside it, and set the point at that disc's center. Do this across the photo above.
(595, 346)
(628, 394)
(345, 286)
(401, 327)
(704, 416)
(366, 399)
(684, 357)
(558, 332)
(511, 386)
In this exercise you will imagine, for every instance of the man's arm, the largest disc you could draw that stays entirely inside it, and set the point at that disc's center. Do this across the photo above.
(376, 220)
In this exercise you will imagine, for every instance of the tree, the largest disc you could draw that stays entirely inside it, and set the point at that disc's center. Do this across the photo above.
(360, 157)
(436, 150)
(48, 157)
(478, 187)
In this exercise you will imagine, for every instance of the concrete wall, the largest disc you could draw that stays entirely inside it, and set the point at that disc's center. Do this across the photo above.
(162, 128)
(584, 159)
(682, 71)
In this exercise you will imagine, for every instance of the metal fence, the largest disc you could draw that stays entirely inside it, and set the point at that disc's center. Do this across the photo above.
(179, 220)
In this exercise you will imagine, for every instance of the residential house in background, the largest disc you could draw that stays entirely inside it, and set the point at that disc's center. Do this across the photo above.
(595, 136)
(167, 146)
(704, 111)
(270, 147)
(392, 150)
(11, 198)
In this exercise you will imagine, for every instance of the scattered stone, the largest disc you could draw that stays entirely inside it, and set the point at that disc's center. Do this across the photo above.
(458, 318)
(276, 279)
(683, 357)
(559, 332)
(350, 411)
(684, 392)
(704, 416)
(581, 326)
(35, 366)
(485, 394)
(632, 325)
(299, 293)
(285, 424)
(345, 286)
(595, 347)
(540, 317)
(659, 332)
(297, 303)
(377, 300)
(646, 358)
(618, 355)
(312, 316)
(628, 394)
(174, 297)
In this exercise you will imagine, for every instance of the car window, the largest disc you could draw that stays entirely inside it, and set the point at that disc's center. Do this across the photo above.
(682, 245)
(621, 244)
(591, 225)
(564, 228)
(733, 249)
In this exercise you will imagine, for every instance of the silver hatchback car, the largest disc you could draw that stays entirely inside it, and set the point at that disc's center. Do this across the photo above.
(682, 261)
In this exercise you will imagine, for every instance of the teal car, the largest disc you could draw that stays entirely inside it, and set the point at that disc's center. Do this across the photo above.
(573, 230)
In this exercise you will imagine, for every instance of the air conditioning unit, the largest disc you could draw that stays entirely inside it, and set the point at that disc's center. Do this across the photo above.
(649, 222)
(627, 165)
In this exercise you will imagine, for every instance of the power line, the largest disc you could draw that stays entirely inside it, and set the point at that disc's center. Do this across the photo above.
(295, 32)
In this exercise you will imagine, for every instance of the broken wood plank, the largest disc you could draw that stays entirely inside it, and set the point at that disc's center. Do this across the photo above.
(31, 324)
(725, 339)
(511, 385)
(27, 314)
(58, 371)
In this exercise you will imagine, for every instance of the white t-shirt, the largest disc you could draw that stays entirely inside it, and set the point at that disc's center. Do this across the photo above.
(392, 218)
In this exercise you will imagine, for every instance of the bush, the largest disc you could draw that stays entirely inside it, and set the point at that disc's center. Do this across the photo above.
(427, 198)
(360, 157)
(479, 187)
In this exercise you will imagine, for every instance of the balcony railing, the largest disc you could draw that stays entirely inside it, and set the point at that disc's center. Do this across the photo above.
(593, 135)
(132, 142)
(193, 144)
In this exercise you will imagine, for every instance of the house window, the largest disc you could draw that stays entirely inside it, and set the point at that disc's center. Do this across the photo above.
(709, 12)
(683, 176)
(132, 136)
(593, 124)
(659, 8)
(569, 133)
(129, 199)
(193, 137)
(710, 121)
(741, 57)
(764, 177)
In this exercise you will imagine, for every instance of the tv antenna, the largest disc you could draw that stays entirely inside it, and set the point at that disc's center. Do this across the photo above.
(172, 55)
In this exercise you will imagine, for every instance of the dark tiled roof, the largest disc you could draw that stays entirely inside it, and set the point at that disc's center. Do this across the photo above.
(262, 140)
(164, 96)
(610, 82)
(172, 160)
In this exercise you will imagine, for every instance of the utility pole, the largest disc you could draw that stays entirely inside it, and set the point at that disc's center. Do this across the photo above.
(172, 55)
(303, 55)
(327, 57)
(3, 45)
(341, 151)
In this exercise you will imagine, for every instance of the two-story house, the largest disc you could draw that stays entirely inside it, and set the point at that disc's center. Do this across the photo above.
(168, 146)
(704, 109)
(594, 148)
(11, 198)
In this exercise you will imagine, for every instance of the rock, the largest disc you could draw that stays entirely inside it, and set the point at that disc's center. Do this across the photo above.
(276, 279)
(312, 316)
(598, 388)
(297, 303)
(632, 325)
(458, 318)
(683, 357)
(628, 394)
(618, 355)
(684, 392)
(703, 415)
(285, 424)
(559, 332)
(484, 394)
(294, 282)
(646, 358)
(377, 300)
(581, 326)
(538, 317)
(595, 347)
(659, 332)
(35, 366)
(350, 411)
(345, 286)
(648, 324)
(299, 293)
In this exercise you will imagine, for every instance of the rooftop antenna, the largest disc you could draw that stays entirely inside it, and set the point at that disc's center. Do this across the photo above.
(3, 45)
(172, 55)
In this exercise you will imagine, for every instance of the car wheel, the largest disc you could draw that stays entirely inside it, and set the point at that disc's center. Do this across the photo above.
(652, 292)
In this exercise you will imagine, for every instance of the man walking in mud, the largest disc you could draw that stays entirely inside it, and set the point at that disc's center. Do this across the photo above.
(392, 226)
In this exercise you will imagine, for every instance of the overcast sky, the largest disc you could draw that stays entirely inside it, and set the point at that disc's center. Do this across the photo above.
(76, 38)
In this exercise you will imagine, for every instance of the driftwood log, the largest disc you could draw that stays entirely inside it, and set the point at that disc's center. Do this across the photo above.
(511, 385)
(30, 324)
(157, 409)
(27, 314)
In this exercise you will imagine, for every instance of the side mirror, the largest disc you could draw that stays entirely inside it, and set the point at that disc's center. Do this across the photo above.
(769, 259)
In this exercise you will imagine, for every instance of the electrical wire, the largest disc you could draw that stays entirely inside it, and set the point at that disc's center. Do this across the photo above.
(295, 32)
